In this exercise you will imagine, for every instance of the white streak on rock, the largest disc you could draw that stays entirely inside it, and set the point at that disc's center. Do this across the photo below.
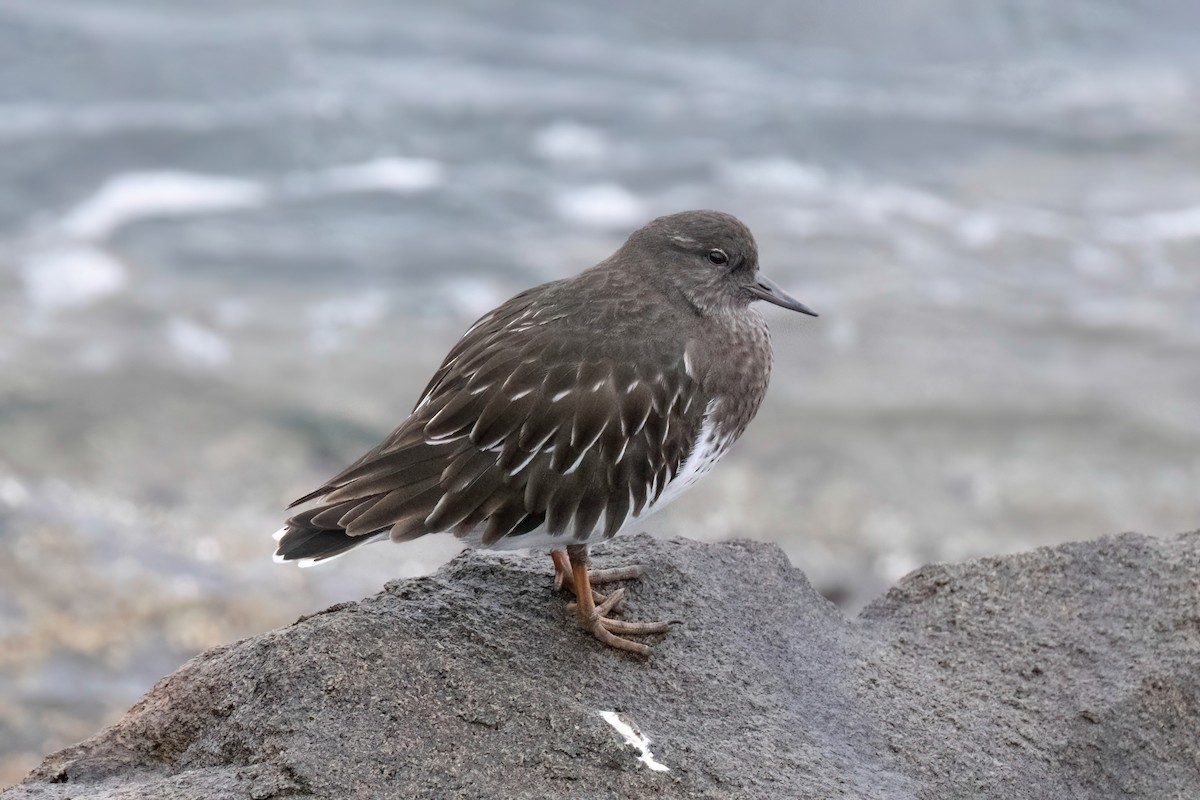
(634, 738)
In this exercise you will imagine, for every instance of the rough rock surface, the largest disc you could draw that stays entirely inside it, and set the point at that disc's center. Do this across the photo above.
(1066, 672)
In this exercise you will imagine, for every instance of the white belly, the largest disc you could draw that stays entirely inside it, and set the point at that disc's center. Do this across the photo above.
(708, 449)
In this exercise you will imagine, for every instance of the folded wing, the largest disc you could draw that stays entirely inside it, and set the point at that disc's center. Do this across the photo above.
(518, 431)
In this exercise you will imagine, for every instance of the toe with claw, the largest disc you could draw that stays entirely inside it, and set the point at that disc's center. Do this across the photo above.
(593, 609)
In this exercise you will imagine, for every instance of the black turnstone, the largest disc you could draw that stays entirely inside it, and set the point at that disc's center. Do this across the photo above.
(570, 413)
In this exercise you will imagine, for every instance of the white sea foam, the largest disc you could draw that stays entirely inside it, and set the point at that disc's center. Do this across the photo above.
(196, 344)
(69, 275)
(233, 312)
(13, 492)
(208, 548)
(843, 333)
(849, 204)
(392, 174)
(602, 205)
(858, 196)
(1146, 92)
(776, 176)
(98, 356)
(1158, 226)
(568, 141)
(331, 321)
(146, 195)
(835, 198)
(28, 120)
(474, 297)
(977, 230)
(1095, 262)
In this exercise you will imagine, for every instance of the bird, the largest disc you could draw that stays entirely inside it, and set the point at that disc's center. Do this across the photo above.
(570, 413)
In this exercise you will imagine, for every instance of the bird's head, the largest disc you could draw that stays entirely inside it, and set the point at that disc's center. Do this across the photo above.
(709, 258)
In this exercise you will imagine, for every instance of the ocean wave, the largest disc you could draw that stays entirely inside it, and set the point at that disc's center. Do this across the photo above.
(391, 174)
(69, 275)
(135, 196)
(570, 142)
(601, 205)
(197, 345)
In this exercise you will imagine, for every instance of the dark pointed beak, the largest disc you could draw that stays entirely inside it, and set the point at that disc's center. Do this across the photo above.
(769, 290)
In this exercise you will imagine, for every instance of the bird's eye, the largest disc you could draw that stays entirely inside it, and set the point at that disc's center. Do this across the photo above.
(718, 257)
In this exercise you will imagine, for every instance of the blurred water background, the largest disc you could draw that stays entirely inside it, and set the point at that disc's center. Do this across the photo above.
(236, 238)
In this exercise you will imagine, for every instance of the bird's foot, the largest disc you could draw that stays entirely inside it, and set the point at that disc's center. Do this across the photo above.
(606, 628)
(592, 609)
(563, 577)
(629, 573)
(562, 570)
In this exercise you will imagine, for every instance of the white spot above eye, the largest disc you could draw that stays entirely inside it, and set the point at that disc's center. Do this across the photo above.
(634, 738)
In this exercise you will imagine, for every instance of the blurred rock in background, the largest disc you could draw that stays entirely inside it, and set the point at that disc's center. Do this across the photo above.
(235, 240)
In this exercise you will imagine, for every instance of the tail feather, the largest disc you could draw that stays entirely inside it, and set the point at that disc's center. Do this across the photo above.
(312, 545)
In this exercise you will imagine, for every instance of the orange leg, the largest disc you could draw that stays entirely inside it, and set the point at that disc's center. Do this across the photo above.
(562, 569)
(563, 577)
(594, 617)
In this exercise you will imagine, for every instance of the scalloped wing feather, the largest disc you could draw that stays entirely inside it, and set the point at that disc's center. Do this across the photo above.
(503, 444)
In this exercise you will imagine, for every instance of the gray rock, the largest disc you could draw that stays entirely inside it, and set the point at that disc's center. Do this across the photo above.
(1066, 672)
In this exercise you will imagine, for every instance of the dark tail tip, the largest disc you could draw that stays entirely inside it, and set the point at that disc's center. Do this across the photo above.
(312, 545)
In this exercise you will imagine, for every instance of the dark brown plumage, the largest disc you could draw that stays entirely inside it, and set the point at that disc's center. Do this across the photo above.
(574, 408)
